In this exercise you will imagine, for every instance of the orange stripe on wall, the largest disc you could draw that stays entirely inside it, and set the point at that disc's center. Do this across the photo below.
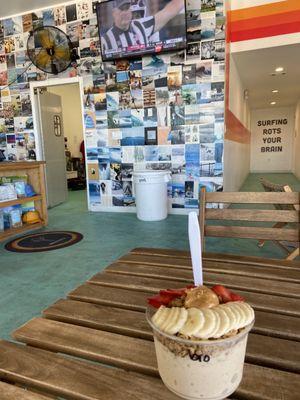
(265, 32)
(265, 10)
(235, 130)
(270, 20)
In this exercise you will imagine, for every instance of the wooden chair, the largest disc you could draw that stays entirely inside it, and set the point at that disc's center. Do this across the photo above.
(274, 187)
(248, 214)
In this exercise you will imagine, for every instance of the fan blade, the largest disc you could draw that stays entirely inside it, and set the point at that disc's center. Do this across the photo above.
(46, 40)
(42, 59)
(62, 53)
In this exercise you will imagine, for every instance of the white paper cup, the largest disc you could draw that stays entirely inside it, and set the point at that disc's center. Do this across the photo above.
(204, 369)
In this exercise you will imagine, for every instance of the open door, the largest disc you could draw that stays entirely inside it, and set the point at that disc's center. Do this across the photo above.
(53, 146)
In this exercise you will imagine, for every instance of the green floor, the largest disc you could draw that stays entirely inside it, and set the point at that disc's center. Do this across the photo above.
(31, 282)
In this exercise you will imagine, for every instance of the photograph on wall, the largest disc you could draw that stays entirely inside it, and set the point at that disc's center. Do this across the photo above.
(203, 71)
(112, 101)
(193, 30)
(189, 189)
(191, 134)
(219, 50)
(114, 137)
(151, 136)
(126, 172)
(125, 120)
(27, 22)
(218, 71)
(207, 49)
(188, 74)
(163, 116)
(162, 96)
(177, 135)
(83, 10)
(192, 115)
(115, 172)
(220, 8)
(164, 153)
(193, 51)
(137, 117)
(105, 188)
(104, 171)
(94, 191)
(113, 119)
(208, 27)
(174, 77)
(177, 116)
(204, 95)
(208, 5)
(158, 166)
(150, 117)
(60, 15)
(115, 155)
(220, 28)
(139, 154)
(189, 94)
(163, 135)
(71, 12)
(217, 91)
(116, 188)
(207, 163)
(133, 137)
(151, 153)
(127, 154)
(93, 172)
(149, 97)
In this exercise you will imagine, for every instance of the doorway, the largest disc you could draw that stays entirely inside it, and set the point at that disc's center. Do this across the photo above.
(58, 117)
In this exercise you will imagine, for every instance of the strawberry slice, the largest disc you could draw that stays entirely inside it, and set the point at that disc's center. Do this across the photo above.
(173, 293)
(236, 297)
(160, 300)
(222, 292)
(226, 295)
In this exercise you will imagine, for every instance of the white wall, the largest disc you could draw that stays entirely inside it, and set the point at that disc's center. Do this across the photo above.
(238, 4)
(236, 153)
(237, 102)
(236, 165)
(272, 145)
(296, 168)
(72, 118)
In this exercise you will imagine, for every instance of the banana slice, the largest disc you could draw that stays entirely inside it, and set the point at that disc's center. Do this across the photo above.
(238, 316)
(160, 316)
(249, 312)
(232, 315)
(224, 322)
(243, 315)
(170, 319)
(209, 326)
(194, 322)
(177, 321)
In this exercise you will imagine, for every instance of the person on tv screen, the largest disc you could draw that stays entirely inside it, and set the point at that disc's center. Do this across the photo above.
(128, 31)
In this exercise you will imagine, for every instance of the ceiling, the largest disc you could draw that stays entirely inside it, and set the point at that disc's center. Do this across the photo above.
(12, 7)
(255, 68)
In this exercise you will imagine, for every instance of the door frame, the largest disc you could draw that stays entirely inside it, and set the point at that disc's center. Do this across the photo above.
(35, 108)
(36, 113)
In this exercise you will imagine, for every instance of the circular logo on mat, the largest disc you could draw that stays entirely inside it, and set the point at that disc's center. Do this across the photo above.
(45, 241)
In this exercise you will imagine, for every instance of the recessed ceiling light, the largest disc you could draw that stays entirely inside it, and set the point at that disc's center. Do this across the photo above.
(275, 91)
(273, 103)
(279, 69)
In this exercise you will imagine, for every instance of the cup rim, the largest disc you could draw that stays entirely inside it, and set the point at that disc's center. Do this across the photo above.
(199, 342)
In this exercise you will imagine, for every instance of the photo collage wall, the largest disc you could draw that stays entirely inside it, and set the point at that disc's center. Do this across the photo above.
(159, 112)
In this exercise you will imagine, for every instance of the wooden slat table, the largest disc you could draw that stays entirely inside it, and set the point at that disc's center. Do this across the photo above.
(102, 323)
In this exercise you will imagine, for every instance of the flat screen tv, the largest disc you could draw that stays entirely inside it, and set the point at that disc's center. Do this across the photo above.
(131, 28)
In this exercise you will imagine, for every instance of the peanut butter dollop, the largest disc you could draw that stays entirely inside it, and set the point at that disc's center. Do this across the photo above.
(201, 297)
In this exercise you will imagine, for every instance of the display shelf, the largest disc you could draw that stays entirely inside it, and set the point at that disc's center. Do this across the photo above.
(35, 171)
(22, 200)
(8, 233)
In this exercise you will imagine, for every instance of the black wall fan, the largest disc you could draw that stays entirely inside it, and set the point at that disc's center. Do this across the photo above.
(50, 49)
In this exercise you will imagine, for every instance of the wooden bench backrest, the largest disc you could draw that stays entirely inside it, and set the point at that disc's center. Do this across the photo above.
(250, 214)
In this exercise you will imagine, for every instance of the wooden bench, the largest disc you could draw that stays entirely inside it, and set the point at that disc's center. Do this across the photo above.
(283, 217)
(65, 353)
(272, 187)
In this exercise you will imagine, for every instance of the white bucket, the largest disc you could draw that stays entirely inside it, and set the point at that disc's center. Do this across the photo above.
(151, 195)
